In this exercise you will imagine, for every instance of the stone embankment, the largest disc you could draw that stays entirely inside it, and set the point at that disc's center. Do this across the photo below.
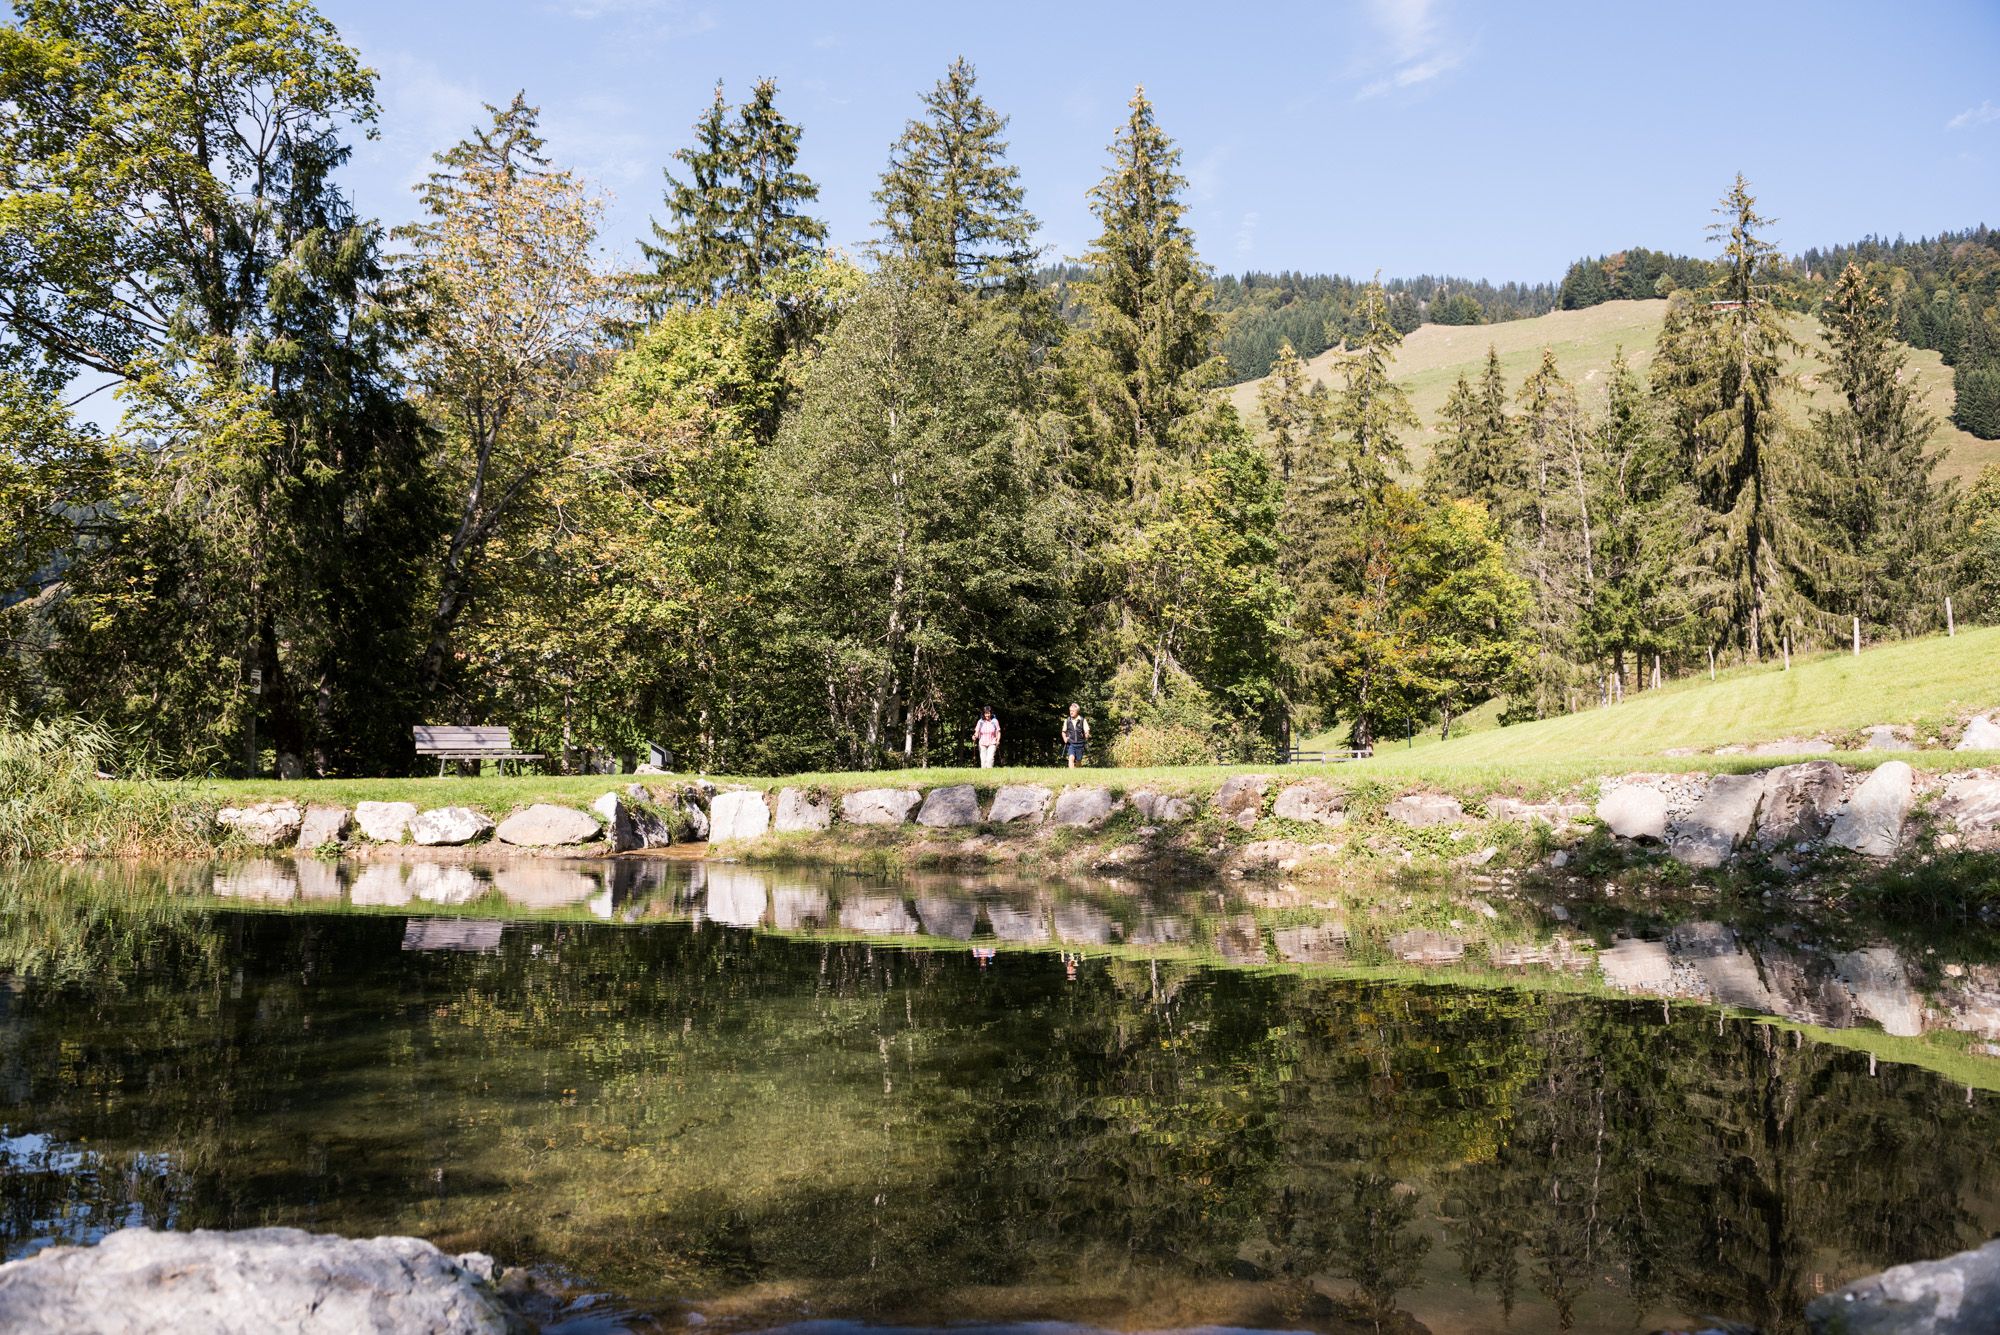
(1790, 817)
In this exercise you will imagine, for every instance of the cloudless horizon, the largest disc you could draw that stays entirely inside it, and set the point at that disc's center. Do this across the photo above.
(1409, 136)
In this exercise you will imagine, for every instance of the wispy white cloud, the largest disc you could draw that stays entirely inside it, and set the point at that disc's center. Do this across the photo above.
(1204, 174)
(1419, 45)
(1246, 234)
(1983, 114)
(647, 20)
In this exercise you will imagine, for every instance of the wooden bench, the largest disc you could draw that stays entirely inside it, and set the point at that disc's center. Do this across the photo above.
(1297, 757)
(449, 742)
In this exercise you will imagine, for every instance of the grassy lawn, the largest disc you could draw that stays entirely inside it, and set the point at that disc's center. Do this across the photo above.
(1927, 683)
(1584, 341)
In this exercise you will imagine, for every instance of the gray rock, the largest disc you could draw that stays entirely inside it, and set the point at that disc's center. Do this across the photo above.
(878, 915)
(737, 815)
(1241, 800)
(1086, 807)
(383, 885)
(546, 825)
(261, 879)
(799, 812)
(951, 807)
(736, 896)
(1971, 805)
(1881, 989)
(444, 883)
(1724, 818)
(139, 1282)
(1886, 737)
(266, 824)
(1019, 802)
(322, 825)
(1555, 814)
(443, 826)
(1419, 810)
(1793, 746)
(694, 816)
(1633, 811)
(384, 822)
(1314, 803)
(538, 883)
(797, 908)
(1872, 821)
(1323, 943)
(1268, 855)
(633, 820)
(1162, 808)
(1799, 802)
(942, 915)
(879, 806)
(1982, 734)
(1959, 1295)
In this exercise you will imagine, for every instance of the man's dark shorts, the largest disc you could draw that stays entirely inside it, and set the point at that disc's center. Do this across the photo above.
(1074, 750)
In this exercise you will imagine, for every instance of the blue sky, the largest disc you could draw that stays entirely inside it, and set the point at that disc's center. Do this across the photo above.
(1495, 140)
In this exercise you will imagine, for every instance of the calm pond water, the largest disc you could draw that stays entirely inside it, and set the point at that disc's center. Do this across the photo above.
(759, 1098)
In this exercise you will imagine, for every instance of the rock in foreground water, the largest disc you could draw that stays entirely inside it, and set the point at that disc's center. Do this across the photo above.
(1959, 1295)
(139, 1282)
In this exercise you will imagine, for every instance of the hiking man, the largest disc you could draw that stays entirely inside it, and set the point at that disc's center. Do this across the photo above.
(1075, 733)
(986, 733)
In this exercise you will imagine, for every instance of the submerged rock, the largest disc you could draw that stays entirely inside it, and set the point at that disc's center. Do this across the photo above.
(266, 824)
(1314, 803)
(384, 822)
(1872, 821)
(879, 806)
(1019, 802)
(948, 808)
(736, 815)
(139, 1282)
(1419, 810)
(1241, 800)
(446, 826)
(322, 825)
(1959, 1295)
(546, 825)
(801, 812)
(1634, 811)
(1724, 817)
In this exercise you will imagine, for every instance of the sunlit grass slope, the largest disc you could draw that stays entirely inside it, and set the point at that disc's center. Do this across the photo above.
(1584, 342)
(1925, 683)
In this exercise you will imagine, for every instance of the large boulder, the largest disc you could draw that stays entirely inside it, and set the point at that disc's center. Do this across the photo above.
(447, 826)
(1982, 734)
(139, 1282)
(801, 812)
(1419, 810)
(1634, 811)
(1971, 806)
(1159, 808)
(1019, 802)
(384, 822)
(737, 815)
(1799, 802)
(546, 825)
(879, 806)
(1872, 821)
(1085, 807)
(1240, 800)
(632, 820)
(1959, 1295)
(694, 814)
(1724, 818)
(1314, 803)
(265, 824)
(948, 808)
(322, 825)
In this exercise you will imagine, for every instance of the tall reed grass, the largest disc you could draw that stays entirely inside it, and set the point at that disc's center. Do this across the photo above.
(53, 805)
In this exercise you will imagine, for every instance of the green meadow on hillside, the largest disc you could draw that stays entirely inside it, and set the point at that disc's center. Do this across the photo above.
(1584, 342)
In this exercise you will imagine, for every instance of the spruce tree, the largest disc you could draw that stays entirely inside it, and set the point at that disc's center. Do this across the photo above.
(1371, 411)
(1880, 507)
(1287, 408)
(1477, 457)
(1151, 333)
(951, 203)
(771, 228)
(695, 256)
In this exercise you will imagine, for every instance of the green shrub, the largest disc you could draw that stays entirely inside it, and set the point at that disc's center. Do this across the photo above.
(1152, 745)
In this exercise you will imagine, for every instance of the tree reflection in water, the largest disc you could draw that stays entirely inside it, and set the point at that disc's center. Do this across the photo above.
(755, 1120)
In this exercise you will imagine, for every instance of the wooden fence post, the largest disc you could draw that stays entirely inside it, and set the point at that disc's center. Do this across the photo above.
(1950, 626)
(1857, 637)
(1711, 662)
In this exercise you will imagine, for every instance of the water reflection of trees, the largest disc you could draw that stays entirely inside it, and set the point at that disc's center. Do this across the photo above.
(696, 1111)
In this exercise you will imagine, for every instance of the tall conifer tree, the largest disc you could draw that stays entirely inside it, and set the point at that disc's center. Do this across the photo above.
(694, 255)
(951, 202)
(771, 226)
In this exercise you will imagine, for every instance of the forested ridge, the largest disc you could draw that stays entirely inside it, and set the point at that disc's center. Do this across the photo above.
(780, 509)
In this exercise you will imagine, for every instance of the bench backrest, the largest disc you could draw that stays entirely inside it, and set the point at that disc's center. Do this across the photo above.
(437, 738)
